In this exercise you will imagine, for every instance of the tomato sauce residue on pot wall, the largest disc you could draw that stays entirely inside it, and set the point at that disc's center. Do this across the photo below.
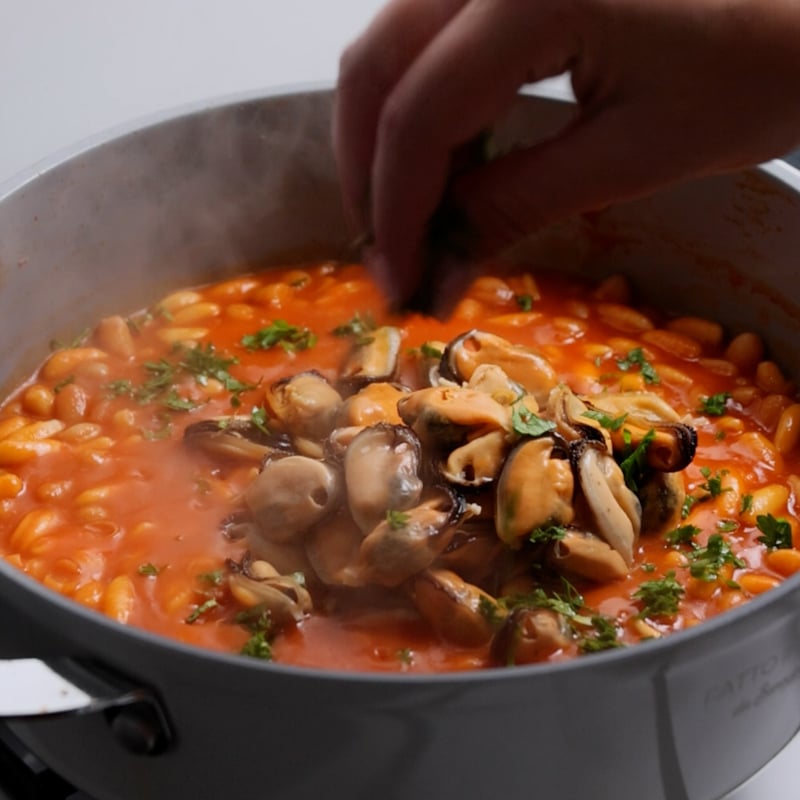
(277, 465)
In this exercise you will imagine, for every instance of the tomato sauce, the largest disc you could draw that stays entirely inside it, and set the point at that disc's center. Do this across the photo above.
(101, 499)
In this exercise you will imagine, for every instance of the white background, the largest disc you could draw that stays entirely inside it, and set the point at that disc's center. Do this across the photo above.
(72, 68)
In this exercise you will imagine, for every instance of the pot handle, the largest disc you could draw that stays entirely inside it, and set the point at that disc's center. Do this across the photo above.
(32, 688)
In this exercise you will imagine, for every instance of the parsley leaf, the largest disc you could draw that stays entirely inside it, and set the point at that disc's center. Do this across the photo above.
(551, 533)
(526, 423)
(777, 532)
(359, 327)
(706, 562)
(636, 358)
(290, 337)
(257, 646)
(683, 535)
(713, 483)
(608, 422)
(606, 636)
(204, 608)
(397, 520)
(430, 351)
(634, 466)
(524, 301)
(659, 598)
(149, 570)
(714, 405)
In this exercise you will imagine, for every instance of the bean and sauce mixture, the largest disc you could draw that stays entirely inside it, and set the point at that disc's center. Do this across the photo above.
(279, 466)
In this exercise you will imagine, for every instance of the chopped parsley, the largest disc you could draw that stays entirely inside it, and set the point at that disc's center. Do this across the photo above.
(777, 532)
(526, 423)
(713, 482)
(685, 534)
(727, 525)
(551, 533)
(359, 327)
(257, 646)
(706, 562)
(747, 503)
(290, 337)
(524, 301)
(80, 339)
(606, 421)
(714, 405)
(634, 465)
(201, 362)
(175, 402)
(490, 610)
(605, 637)
(636, 358)
(149, 570)
(659, 598)
(63, 384)
(405, 656)
(213, 578)
(397, 520)
(259, 419)
(430, 351)
(203, 608)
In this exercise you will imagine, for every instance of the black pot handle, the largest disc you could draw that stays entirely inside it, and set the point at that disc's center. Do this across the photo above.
(32, 688)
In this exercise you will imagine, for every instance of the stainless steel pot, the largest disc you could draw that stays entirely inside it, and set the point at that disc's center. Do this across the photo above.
(196, 196)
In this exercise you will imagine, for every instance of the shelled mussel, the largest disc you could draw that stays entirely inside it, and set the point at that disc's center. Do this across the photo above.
(484, 481)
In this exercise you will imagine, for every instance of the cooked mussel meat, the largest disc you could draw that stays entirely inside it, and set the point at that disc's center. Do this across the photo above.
(588, 556)
(306, 407)
(237, 438)
(373, 358)
(529, 635)
(521, 364)
(671, 443)
(381, 469)
(615, 511)
(405, 543)
(259, 584)
(534, 489)
(292, 494)
(458, 611)
(446, 416)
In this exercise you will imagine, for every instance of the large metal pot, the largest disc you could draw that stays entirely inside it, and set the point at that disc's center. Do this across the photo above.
(195, 196)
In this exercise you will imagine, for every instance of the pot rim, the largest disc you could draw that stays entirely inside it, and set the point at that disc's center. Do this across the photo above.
(783, 173)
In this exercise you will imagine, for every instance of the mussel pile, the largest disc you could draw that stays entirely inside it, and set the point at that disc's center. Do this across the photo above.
(487, 478)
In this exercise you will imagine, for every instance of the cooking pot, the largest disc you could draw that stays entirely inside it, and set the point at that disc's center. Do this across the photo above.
(199, 194)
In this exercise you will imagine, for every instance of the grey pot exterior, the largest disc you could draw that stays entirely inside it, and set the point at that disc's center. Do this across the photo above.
(197, 196)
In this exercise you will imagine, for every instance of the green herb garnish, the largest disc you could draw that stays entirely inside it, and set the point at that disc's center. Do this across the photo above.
(359, 327)
(526, 423)
(551, 533)
(634, 466)
(606, 421)
(683, 535)
(606, 636)
(706, 562)
(397, 520)
(777, 532)
(429, 351)
(204, 608)
(290, 337)
(659, 598)
(636, 358)
(149, 570)
(257, 646)
(524, 301)
(714, 405)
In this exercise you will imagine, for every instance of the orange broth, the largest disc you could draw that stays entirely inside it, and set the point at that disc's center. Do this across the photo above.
(103, 502)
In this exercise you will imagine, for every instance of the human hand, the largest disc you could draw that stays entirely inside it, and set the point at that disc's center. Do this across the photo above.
(666, 90)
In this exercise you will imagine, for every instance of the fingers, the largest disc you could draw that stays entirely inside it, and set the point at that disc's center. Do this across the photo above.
(369, 70)
(458, 85)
